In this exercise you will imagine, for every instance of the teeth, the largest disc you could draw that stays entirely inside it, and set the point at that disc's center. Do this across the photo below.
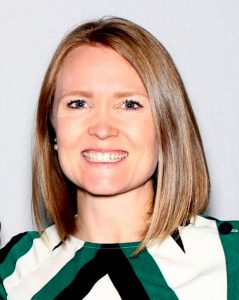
(104, 156)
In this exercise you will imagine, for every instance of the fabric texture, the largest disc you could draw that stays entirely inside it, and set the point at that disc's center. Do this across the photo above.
(201, 263)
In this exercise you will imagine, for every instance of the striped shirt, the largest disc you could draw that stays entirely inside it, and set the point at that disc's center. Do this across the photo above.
(201, 263)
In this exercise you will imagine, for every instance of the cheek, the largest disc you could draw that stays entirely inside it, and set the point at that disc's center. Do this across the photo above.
(67, 136)
(144, 135)
(151, 156)
(146, 145)
(67, 132)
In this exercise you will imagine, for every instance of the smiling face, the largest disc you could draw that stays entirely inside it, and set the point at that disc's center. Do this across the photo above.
(103, 122)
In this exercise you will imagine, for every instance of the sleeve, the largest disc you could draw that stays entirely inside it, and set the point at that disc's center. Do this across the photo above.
(229, 235)
(3, 294)
(8, 258)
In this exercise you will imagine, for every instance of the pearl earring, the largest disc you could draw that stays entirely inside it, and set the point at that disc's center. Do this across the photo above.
(55, 145)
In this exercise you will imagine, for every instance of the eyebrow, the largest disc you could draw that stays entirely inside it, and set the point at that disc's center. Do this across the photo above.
(77, 93)
(129, 93)
(89, 94)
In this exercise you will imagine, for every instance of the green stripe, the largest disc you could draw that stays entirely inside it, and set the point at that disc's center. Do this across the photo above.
(150, 275)
(3, 294)
(7, 267)
(230, 243)
(66, 275)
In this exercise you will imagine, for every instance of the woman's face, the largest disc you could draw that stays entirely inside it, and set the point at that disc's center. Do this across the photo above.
(104, 126)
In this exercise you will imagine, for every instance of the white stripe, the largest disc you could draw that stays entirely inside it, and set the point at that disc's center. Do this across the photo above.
(201, 272)
(103, 289)
(36, 267)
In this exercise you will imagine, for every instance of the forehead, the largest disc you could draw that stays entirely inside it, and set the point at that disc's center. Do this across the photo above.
(94, 56)
(95, 66)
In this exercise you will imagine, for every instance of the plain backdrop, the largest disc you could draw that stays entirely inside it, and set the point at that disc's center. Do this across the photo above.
(201, 36)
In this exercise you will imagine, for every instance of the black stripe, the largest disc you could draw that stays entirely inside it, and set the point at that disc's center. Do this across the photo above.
(58, 245)
(210, 218)
(178, 240)
(124, 279)
(106, 261)
(5, 250)
(88, 275)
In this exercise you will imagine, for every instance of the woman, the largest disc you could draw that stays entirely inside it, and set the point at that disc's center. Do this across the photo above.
(119, 181)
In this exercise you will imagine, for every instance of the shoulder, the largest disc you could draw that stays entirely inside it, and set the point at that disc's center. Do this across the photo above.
(24, 243)
(23, 252)
(224, 226)
(18, 245)
(205, 228)
(227, 231)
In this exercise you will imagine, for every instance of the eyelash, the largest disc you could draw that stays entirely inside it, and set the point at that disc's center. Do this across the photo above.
(76, 102)
(126, 103)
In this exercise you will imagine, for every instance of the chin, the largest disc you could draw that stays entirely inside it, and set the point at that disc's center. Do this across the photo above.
(103, 190)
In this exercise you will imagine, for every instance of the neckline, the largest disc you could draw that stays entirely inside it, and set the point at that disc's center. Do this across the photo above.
(108, 246)
(111, 246)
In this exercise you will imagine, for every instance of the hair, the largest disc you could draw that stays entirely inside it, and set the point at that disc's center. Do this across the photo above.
(181, 179)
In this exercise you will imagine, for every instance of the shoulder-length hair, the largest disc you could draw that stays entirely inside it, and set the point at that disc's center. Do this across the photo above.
(181, 180)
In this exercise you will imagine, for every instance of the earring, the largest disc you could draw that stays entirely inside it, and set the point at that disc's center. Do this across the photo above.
(55, 145)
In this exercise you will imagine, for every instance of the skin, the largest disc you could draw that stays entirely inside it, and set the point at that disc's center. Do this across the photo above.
(94, 87)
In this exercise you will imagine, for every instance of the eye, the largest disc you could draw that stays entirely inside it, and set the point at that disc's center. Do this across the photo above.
(77, 104)
(132, 105)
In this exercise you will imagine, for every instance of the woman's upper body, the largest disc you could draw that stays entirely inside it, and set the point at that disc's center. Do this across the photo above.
(201, 264)
(118, 158)
(116, 139)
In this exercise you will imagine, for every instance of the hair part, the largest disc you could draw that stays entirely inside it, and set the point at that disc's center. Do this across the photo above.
(181, 179)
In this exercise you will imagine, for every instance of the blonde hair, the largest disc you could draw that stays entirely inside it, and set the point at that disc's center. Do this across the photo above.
(181, 180)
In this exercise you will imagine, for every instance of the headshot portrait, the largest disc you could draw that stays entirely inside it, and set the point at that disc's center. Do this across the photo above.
(119, 151)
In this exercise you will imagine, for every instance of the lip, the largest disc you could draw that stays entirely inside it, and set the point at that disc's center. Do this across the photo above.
(103, 150)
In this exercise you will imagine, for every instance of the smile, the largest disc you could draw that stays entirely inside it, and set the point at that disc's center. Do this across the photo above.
(104, 157)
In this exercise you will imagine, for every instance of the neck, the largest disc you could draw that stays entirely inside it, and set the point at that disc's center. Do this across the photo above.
(114, 219)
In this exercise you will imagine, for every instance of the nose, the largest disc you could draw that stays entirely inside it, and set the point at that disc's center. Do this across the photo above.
(103, 127)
